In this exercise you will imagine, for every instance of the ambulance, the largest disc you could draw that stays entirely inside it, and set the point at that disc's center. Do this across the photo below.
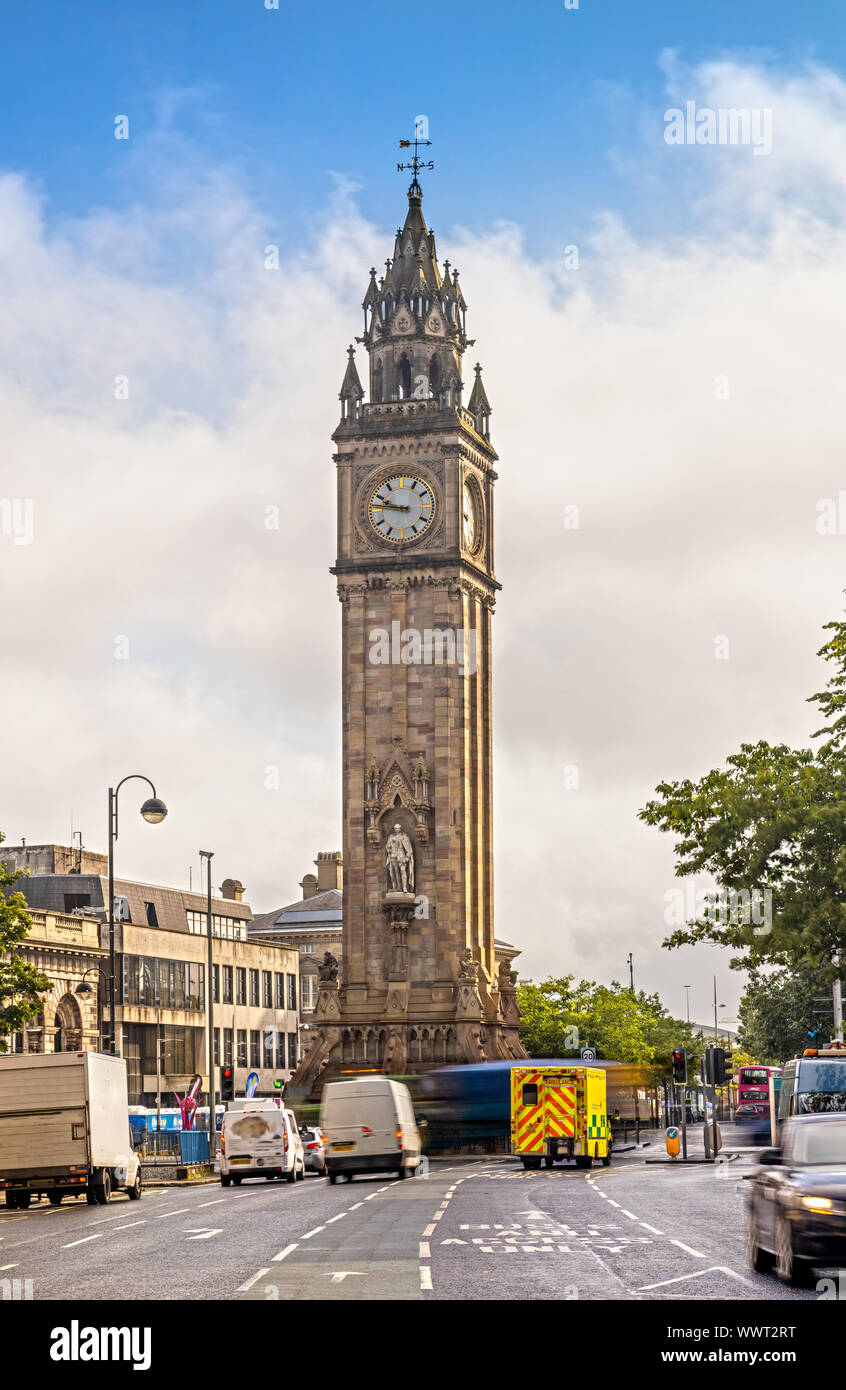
(559, 1113)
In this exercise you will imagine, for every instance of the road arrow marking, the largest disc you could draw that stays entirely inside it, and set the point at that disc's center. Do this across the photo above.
(453, 1241)
(202, 1232)
(342, 1274)
(723, 1269)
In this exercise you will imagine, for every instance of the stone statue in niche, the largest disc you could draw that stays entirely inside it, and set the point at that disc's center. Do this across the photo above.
(399, 861)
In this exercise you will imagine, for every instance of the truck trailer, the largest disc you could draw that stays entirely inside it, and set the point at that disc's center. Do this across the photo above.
(64, 1128)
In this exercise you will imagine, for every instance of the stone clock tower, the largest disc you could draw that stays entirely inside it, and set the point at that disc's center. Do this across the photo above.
(417, 984)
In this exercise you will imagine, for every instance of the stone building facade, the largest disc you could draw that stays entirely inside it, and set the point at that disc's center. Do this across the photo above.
(417, 586)
(161, 955)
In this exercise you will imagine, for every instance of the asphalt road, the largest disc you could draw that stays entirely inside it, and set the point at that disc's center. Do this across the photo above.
(472, 1229)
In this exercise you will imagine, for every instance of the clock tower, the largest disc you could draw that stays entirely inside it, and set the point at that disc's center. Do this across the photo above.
(418, 983)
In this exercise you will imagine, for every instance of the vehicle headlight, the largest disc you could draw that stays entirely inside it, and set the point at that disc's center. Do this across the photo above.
(817, 1203)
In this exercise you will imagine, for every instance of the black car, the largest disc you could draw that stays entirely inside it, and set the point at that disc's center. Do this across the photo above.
(797, 1200)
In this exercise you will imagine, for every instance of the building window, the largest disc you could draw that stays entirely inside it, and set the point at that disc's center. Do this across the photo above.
(292, 992)
(308, 992)
(216, 976)
(241, 984)
(292, 1051)
(267, 982)
(308, 950)
(150, 910)
(227, 988)
(217, 1045)
(255, 1048)
(229, 928)
(242, 1048)
(280, 990)
(254, 988)
(268, 1048)
(73, 900)
(280, 1051)
(227, 1047)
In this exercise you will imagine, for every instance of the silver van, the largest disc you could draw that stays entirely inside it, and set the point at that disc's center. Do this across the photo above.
(369, 1127)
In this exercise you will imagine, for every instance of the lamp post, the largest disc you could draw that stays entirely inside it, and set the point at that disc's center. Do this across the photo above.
(83, 989)
(153, 811)
(208, 855)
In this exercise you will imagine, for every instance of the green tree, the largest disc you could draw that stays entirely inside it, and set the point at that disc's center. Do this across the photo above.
(558, 1018)
(772, 822)
(21, 985)
(777, 1011)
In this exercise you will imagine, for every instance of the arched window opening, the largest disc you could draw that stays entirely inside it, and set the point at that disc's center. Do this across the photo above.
(434, 376)
(404, 378)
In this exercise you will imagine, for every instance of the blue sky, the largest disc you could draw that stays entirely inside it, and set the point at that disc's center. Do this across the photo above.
(530, 106)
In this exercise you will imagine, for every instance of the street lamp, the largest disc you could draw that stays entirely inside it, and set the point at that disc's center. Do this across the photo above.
(208, 855)
(83, 989)
(153, 812)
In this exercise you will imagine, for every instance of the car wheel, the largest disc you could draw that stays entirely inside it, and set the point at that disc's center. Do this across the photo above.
(12, 1201)
(225, 1180)
(302, 1173)
(584, 1161)
(761, 1260)
(89, 1196)
(789, 1269)
(134, 1192)
(292, 1175)
(403, 1173)
(24, 1199)
(549, 1161)
(237, 1181)
(333, 1178)
(268, 1177)
(103, 1189)
(55, 1198)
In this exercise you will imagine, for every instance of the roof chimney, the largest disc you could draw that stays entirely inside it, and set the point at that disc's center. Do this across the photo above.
(232, 889)
(309, 886)
(328, 870)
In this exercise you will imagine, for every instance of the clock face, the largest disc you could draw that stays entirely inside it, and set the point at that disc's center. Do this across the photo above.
(470, 517)
(401, 508)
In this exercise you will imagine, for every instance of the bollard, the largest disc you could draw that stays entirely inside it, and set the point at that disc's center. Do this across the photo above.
(673, 1141)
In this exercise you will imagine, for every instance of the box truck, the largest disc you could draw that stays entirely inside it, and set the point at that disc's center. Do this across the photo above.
(64, 1128)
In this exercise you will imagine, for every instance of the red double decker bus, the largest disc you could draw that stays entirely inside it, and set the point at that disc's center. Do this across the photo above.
(753, 1084)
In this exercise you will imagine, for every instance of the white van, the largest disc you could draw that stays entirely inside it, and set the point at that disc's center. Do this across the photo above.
(259, 1139)
(369, 1127)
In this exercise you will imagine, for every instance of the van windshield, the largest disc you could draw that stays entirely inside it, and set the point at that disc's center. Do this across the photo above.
(356, 1110)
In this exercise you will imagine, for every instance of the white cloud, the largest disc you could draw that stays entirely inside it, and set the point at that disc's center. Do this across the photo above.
(697, 517)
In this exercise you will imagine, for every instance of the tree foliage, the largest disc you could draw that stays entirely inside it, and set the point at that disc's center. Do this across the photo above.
(559, 1018)
(773, 821)
(21, 985)
(778, 1012)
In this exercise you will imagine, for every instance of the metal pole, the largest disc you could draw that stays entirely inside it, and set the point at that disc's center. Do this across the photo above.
(158, 1083)
(208, 856)
(112, 1029)
(631, 973)
(837, 1002)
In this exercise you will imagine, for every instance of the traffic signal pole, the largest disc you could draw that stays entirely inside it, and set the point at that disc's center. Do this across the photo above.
(684, 1121)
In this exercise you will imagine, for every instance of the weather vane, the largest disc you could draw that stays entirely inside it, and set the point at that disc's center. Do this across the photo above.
(416, 164)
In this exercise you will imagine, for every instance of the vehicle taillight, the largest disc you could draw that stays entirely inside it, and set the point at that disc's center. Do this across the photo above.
(286, 1143)
(399, 1138)
(365, 1129)
(314, 1146)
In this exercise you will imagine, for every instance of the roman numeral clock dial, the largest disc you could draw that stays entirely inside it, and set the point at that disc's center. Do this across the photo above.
(401, 508)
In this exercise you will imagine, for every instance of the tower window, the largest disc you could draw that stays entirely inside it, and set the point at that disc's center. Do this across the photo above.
(434, 376)
(404, 378)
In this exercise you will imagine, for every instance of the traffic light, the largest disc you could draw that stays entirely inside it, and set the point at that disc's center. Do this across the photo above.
(729, 1065)
(680, 1065)
(227, 1083)
(721, 1063)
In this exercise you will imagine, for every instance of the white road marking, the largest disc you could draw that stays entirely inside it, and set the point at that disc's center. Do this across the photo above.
(723, 1269)
(356, 1207)
(309, 1234)
(212, 1204)
(629, 1214)
(178, 1212)
(339, 1217)
(425, 1277)
(8, 1266)
(202, 1232)
(444, 1206)
(282, 1253)
(83, 1241)
(653, 1229)
(370, 1198)
(130, 1225)
(242, 1288)
(686, 1248)
(430, 1230)
(425, 1252)
(437, 1216)
(341, 1274)
(613, 1203)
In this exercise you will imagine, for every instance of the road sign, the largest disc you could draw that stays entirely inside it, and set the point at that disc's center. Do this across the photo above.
(588, 1054)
